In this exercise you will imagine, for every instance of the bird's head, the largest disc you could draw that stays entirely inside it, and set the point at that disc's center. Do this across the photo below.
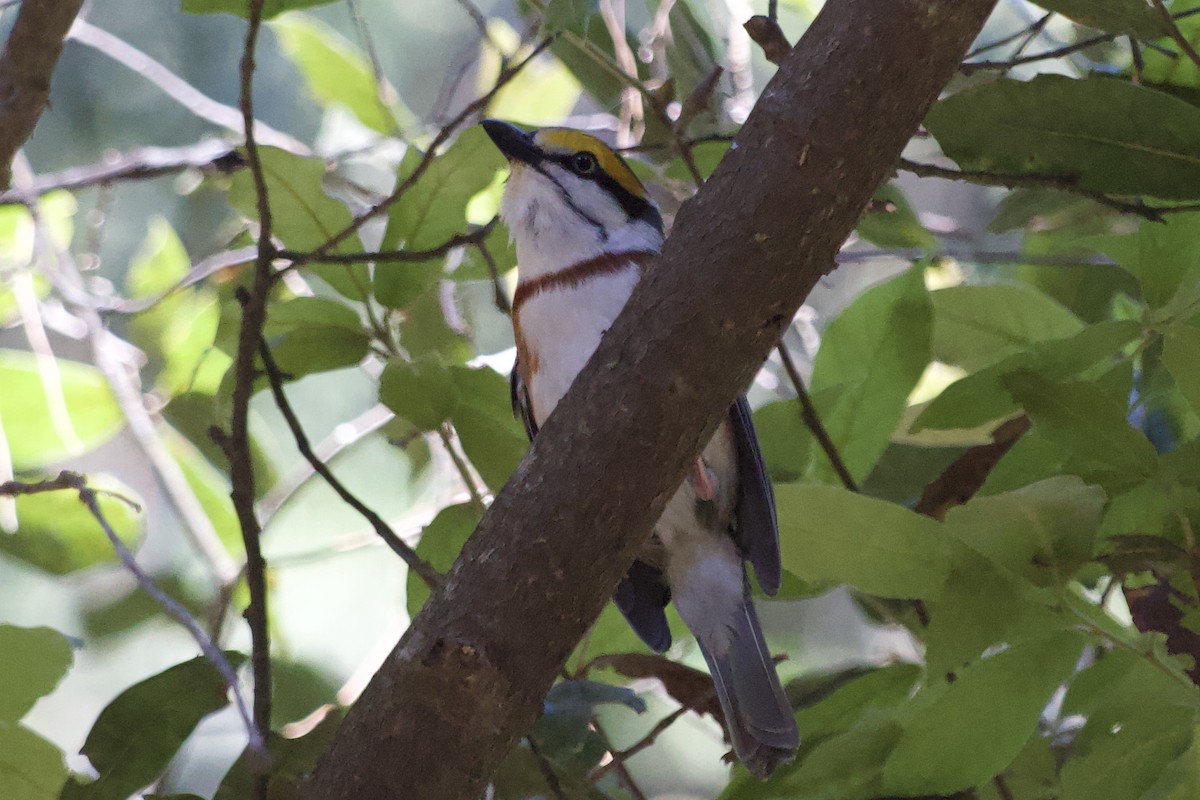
(570, 197)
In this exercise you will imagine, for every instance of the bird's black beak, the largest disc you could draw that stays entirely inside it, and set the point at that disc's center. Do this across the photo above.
(514, 143)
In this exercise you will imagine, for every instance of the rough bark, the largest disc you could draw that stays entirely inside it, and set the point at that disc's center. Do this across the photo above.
(26, 65)
(468, 677)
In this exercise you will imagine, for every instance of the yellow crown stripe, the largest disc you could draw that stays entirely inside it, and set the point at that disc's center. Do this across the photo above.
(565, 141)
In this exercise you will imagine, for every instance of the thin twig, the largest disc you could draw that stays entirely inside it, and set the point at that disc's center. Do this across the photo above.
(446, 433)
(139, 164)
(237, 444)
(88, 496)
(1174, 32)
(1033, 27)
(175, 87)
(474, 237)
(812, 420)
(202, 270)
(1063, 183)
(618, 762)
(432, 578)
(970, 67)
(345, 435)
(499, 295)
(427, 159)
(547, 770)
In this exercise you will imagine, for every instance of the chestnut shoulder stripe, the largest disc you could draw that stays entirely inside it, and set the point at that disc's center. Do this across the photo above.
(603, 264)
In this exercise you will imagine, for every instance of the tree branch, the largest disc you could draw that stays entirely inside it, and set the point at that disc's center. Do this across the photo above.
(139, 164)
(420, 566)
(26, 65)
(469, 676)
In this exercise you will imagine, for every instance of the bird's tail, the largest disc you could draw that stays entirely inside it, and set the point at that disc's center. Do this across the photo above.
(757, 711)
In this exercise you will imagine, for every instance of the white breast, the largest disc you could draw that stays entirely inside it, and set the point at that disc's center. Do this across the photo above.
(563, 327)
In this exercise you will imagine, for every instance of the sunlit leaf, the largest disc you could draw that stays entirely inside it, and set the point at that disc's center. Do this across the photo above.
(36, 436)
(336, 73)
(834, 536)
(303, 216)
(56, 533)
(944, 748)
(974, 326)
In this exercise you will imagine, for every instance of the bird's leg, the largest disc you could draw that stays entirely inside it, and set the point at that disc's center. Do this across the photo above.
(703, 480)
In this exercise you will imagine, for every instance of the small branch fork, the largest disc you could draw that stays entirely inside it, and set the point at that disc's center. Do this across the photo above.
(72, 481)
(431, 577)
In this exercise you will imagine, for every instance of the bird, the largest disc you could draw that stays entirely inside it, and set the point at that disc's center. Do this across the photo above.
(585, 230)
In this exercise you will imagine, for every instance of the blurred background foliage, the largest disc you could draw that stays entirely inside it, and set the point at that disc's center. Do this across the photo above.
(1028, 635)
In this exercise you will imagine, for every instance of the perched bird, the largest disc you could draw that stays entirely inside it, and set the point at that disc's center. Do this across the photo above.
(584, 230)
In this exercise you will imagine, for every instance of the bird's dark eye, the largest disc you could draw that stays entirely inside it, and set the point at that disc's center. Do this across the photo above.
(584, 163)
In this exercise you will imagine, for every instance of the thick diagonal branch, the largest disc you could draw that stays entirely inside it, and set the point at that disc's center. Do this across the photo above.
(26, 65)
(469, 676)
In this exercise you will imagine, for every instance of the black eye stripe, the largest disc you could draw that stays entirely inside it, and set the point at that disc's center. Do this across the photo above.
(636, 207)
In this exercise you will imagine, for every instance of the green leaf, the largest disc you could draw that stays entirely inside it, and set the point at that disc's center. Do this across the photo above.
(1109, 135)
(1163, 256)
(881, 688)
(490, 435)
(983, 396)
(302, 312)
(241, 8)
(432, 211)
(56, 532)
(421, 392)
(30, 767)
(871, 356)
(1181, 355)
(319, 348)
(138, 733)
(1080, 417)
(440, 542)
(303, 216)
(831, 535)
(976, 326)
(1115, 16)
(891, 222)
(36, 435)
(35, 660)
(1043, 532)
(944, 748)
(336, 73)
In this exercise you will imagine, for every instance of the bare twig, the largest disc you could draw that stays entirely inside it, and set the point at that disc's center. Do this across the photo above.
(618, 763)
(499, 295)
(812, 420)
(1174, 32)
(237, 444)
(422, 568)
(447, 435)
(88, 496)
(430, 153)
(1034, 28)
(111, 356)
(200, 271)
(345, 435)
(26, 66)
(177, 88)
(474, 237)
(970, 67)
(547, 770)
(1063, 183)
(142, 163)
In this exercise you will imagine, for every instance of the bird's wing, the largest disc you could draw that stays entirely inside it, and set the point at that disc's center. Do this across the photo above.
(757, 527)
(522, 409)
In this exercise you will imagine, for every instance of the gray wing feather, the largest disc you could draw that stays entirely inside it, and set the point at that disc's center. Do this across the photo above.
(757, 526)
